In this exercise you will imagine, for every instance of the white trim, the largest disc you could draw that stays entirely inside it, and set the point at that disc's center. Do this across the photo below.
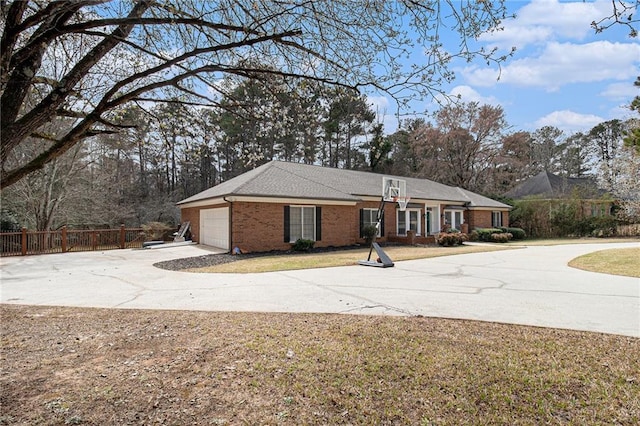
(493, 209)
(210, 202)
(232, 199)
(282, 200)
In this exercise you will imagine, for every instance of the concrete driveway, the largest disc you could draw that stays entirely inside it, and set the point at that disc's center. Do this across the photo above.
(532, 286)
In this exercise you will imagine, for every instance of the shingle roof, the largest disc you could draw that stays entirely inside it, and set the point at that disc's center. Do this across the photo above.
(548, 185)
(297, 180)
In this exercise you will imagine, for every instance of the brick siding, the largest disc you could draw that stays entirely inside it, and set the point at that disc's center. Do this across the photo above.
(259, 227)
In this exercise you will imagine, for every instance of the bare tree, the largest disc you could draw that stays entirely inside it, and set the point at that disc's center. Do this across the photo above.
(461, 148)
(133, 50)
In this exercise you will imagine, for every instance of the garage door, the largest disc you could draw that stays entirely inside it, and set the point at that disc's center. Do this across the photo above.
(214, 227)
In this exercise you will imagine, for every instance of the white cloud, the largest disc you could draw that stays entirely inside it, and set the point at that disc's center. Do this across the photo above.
(569, 121)
(468, 94)
(564, 63)
(620, 91)
(541, 20)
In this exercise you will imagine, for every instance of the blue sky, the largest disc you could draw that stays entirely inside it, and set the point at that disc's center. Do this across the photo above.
(562, 73)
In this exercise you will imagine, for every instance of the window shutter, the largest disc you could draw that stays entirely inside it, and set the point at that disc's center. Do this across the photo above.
(287, 235)
(382, 223)
(361, 223)
(318, 223)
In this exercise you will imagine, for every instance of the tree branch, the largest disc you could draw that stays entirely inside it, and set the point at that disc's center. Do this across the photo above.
(15, 131)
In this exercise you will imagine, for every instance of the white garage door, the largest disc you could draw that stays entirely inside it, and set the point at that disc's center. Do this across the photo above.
(214, 227)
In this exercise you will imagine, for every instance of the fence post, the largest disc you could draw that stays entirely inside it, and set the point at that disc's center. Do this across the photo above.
(122, 236)
(64, 239)
(94, 239)
(23, 241)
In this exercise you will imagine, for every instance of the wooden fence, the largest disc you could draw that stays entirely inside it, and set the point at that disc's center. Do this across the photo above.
(68, 240)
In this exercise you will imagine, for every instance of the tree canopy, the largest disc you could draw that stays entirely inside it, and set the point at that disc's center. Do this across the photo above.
(87, 59)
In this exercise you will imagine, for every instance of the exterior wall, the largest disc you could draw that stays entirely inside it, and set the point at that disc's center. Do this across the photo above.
(482, 218)
(478, 219)
(260, 226)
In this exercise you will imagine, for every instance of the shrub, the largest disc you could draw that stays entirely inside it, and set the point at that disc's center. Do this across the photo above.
(157, 231)
(603, 226)
(473, 236)
(302, 245)
(448, 239)
(518, 233)
(484, 234)
(501, 237)
(369, 233)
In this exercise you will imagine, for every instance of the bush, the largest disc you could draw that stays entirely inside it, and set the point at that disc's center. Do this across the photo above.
(473, 236)
(158, 231)
(303, 245)
(603, 226)
(501, 237)
(448, 239)
(369, 233)
(484, 234)
(518, 233)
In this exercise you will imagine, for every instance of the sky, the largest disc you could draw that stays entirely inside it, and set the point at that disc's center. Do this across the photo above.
(562, 73)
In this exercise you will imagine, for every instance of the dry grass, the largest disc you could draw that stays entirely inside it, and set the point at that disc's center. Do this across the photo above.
(95, 367)
(613, 261)
(287, 262)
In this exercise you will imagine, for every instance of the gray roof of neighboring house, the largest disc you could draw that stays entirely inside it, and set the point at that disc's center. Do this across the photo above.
(548, 185)
(297, 180)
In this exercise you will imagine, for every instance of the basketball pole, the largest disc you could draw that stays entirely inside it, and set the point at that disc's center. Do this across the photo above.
(378, 222)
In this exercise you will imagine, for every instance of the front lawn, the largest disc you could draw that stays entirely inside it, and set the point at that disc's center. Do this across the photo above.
(287, 262)
(613, 261)
(65, 366)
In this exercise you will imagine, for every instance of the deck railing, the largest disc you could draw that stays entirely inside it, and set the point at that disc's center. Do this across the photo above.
(65, 240)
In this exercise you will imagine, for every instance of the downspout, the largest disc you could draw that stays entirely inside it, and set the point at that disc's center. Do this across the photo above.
(230, 222)
(468, 224)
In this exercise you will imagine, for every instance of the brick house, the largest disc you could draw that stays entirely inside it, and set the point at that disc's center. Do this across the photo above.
(553, 190)
(270, 207)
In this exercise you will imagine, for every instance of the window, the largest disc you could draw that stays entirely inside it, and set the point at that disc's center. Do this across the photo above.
(598, 210)
(453, 218)
(496, 219)
(368, 217)
(302, 222)
(408, 220)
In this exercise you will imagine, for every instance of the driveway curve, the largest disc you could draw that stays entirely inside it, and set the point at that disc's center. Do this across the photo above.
(530, 286)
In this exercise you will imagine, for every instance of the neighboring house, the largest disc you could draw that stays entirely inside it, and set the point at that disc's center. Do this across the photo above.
(272, 206)
(547, 187)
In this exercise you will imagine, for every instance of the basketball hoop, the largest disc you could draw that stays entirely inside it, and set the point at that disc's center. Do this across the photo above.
(402, 202)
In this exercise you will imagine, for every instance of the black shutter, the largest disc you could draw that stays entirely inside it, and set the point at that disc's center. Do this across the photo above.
(382, 223)
(287, 234)
(361, 223)
(318, 223)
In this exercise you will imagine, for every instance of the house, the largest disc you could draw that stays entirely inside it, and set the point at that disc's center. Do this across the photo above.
(272, 206)
(559, 190)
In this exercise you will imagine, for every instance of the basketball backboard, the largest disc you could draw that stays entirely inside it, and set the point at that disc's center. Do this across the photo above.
(393, 188)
